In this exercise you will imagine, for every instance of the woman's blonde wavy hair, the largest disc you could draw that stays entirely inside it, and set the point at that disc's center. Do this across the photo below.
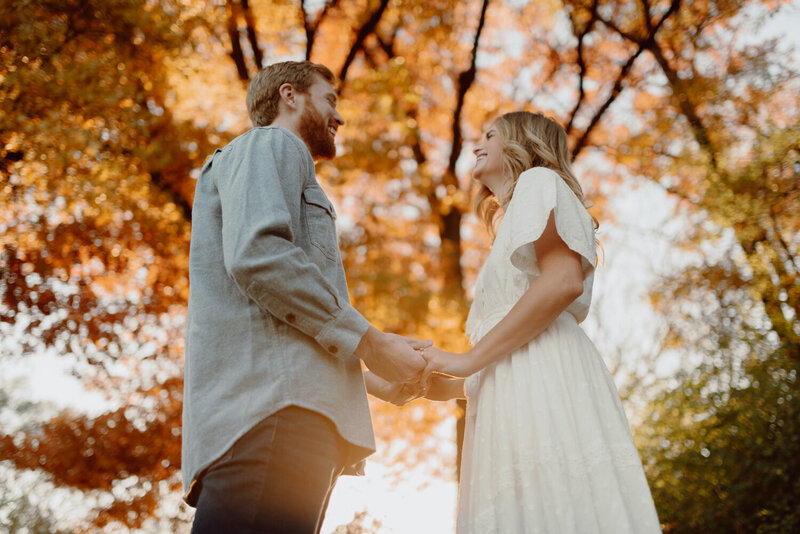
(529, 140)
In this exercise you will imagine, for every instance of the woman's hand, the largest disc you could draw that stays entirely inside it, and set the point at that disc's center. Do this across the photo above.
(447, 363)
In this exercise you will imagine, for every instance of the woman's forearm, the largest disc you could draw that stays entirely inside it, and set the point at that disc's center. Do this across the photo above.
(444, 389)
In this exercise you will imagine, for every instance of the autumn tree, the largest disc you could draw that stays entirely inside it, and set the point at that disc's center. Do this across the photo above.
(95, 234)
(110, 107)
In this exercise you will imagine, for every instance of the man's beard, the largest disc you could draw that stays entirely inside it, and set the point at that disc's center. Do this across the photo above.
(314, 131)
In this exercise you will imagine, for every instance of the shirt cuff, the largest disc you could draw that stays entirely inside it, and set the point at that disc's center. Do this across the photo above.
(341, 336)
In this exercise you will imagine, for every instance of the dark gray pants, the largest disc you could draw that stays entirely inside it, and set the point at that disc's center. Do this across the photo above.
(276, 478)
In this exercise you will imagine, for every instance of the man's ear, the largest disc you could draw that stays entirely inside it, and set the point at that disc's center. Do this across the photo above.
(288, 96)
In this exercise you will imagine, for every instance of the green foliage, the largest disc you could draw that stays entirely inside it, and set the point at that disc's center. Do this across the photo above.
(722, 448)
(722, 444)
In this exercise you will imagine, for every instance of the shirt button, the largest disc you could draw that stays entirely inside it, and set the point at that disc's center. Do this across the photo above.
(290, 318)
(333, 349)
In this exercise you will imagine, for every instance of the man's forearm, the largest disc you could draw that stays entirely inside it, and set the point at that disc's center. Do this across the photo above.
(260, 185)
(280, 277)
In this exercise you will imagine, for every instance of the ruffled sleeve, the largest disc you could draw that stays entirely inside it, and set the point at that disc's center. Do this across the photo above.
(540, 191)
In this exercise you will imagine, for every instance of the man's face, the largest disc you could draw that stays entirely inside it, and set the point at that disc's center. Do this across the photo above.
(320, 120)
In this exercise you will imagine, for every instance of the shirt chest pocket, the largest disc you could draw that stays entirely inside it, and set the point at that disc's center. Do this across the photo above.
(319, 220)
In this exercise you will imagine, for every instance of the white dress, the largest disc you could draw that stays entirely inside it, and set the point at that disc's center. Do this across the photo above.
(547, 447)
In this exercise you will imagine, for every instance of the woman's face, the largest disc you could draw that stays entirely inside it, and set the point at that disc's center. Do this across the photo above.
(489, 163)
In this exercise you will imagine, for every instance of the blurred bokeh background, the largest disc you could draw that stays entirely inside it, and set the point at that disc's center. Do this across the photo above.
(684, 124)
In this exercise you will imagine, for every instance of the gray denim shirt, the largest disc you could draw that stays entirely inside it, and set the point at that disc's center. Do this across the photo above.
(269, 322)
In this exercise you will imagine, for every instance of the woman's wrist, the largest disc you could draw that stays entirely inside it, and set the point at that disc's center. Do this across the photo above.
(474, 357)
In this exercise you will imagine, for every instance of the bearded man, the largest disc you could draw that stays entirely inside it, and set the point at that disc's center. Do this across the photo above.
(275, 406)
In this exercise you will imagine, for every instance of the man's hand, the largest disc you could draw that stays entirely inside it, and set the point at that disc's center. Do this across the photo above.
(397, 393)
(390, 356)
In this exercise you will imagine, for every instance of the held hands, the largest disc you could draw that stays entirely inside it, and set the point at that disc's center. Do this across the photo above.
(391, 357)
(395, 366)
(403, 369)
(434, 383)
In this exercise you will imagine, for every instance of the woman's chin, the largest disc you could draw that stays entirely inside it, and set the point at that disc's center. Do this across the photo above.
(486, 179)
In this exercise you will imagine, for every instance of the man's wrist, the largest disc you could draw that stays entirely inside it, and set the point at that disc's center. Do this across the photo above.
(366, 347)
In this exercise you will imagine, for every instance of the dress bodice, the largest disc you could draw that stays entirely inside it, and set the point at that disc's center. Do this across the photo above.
(512, 266)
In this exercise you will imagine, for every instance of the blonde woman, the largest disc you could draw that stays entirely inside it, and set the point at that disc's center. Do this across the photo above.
(547, 446)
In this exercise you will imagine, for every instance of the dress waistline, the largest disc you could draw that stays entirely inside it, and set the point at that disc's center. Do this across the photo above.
(489, 320)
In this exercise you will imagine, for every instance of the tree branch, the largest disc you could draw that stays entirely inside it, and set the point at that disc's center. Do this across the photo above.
(687, 107)
(249, 20)
(388, 47)
(367, 28)
(412, 112)
(648, 43)
(311, 27)
(583, 140)
(157, 178)
(236, 52)
(465, 81)
(581, 63)
(646, 14)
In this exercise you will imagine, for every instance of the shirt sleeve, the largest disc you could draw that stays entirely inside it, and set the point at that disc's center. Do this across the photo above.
(539, 192)
(256, 183)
